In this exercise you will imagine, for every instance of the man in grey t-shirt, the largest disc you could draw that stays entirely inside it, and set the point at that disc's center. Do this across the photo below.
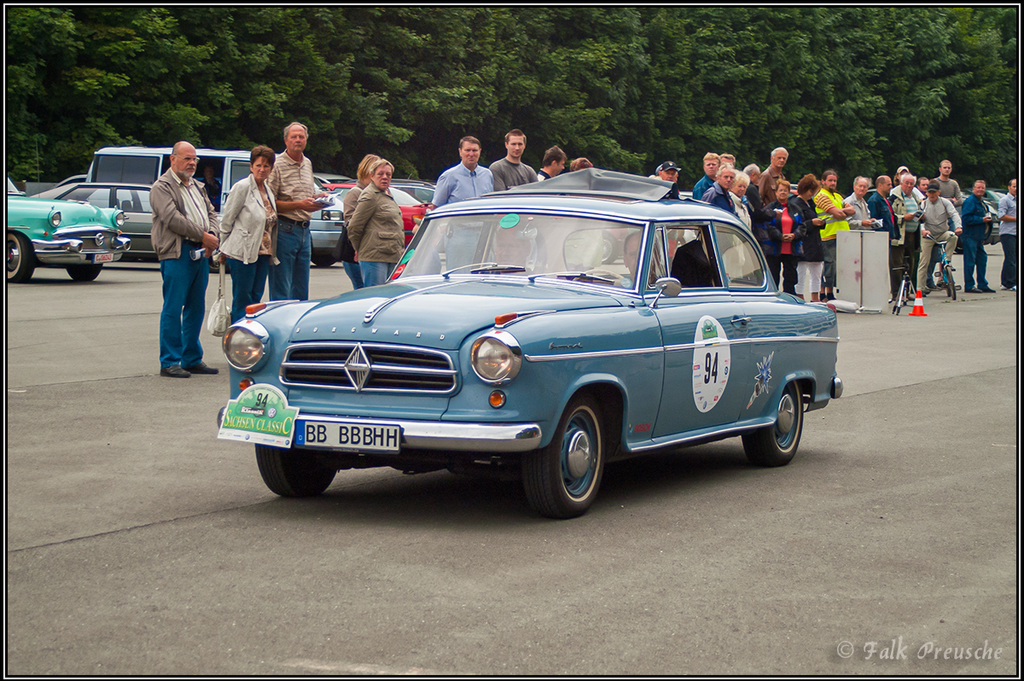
(511, 171)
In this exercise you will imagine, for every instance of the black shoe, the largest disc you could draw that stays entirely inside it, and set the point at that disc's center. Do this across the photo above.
(174, 372)
(201, 368)
(972, 290)
(986, 289)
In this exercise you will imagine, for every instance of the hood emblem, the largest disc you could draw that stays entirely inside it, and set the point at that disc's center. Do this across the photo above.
(357, 367)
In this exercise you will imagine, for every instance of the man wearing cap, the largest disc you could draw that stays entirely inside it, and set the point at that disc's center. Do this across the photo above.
(711, 163)
(935, 222)
(667, 171)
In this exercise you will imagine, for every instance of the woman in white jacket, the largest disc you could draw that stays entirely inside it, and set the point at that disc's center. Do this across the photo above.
(248, 232)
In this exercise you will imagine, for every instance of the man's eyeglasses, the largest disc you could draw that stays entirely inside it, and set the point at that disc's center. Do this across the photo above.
(188, 159)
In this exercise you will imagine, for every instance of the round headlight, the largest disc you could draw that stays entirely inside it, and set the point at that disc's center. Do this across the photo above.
(55, 218)
(243, 348)
(119, 219)
(496, 359)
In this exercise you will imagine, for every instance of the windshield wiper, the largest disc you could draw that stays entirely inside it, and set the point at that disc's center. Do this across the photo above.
(468, 267)
(575, 276)
(485, 267)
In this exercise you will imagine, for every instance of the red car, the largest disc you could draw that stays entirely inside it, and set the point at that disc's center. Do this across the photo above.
(412, 209)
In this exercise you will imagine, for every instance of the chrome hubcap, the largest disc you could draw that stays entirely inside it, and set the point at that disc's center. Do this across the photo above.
(787, 414)
(578, 455)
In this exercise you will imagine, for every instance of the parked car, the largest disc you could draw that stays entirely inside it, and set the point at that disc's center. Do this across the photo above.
(328, 178)
(412, 208)
(131, 199)
(502, 344)
(421, 189)
(69, 234)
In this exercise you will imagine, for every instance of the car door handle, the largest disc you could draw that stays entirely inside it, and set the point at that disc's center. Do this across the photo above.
(741, 321)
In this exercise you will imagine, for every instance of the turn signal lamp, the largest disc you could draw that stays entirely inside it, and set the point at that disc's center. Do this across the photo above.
(254, 308)
(496, 399)
(505, 318)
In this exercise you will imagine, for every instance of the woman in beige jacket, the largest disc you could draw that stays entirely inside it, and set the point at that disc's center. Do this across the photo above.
(248, 232)
(376, 226)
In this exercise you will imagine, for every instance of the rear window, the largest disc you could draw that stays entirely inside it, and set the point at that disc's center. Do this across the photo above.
(130, 169)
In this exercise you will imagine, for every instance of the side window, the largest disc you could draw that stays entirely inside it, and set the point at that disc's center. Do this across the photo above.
(130, 169)
(659, 268)
(96, 196)
(239, 171)
(739, 258)
(132, 200)
(693, 260)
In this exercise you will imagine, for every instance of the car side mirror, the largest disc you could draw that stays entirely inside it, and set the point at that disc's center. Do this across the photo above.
(667, 286)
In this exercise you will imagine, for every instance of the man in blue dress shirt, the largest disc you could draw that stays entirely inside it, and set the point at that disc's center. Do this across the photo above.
(466, 180)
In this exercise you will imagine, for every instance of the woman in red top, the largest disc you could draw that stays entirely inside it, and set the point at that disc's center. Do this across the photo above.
(788, 231)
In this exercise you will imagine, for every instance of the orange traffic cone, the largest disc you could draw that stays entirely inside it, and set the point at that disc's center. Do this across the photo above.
(918, 310)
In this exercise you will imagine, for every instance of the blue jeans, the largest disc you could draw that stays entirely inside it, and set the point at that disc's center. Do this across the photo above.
(181, 319)
(247, 284)
(975, 256)
(290, 279)
(375, 273)
(354, 273)
(1008, 277)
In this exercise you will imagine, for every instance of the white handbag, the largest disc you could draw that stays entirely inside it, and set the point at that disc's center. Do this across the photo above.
(220, 314)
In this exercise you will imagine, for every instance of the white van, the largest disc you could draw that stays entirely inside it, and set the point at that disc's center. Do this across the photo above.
(143, 165)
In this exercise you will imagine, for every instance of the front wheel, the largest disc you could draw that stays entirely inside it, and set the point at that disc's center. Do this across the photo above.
(291, 472)
(775, 445)
(561, 480)
(84, 272)
(947, 274)
(21, 259)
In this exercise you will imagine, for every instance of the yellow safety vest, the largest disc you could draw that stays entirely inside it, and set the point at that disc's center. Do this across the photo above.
(832, 226)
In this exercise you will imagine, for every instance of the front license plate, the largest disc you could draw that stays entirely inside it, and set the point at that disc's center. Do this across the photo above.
(103, 257)
(352, 437)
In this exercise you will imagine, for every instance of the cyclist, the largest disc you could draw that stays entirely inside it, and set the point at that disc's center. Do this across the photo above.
(935, 223)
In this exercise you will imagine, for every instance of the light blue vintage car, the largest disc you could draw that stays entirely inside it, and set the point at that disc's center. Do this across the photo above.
(69, 234)
(509, 341)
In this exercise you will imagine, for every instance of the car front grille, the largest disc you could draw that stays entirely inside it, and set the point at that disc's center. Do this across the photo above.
(368, 367)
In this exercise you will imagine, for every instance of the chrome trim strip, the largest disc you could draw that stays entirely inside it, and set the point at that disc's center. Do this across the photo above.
(677, 348)
(373, 311)
(450, 436)
(593, 355)
(702, 436)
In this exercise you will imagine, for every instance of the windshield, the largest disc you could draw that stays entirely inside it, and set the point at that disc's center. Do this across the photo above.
(567, 247)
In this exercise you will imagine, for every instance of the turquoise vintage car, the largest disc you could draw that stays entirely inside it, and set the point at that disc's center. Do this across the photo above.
(69, 234)
(505, 343)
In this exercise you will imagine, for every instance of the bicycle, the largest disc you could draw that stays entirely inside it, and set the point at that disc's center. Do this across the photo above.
(907, 288)
(945, 272)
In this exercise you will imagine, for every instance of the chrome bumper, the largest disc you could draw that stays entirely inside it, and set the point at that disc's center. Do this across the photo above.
(449, 436)
(71, 251)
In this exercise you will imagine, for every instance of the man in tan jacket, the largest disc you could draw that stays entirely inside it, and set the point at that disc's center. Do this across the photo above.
(184, 236)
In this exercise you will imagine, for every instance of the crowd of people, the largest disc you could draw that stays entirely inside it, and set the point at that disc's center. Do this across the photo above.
(263, 231)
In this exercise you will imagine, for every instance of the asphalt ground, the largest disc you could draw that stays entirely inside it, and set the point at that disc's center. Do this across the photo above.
(140, 544)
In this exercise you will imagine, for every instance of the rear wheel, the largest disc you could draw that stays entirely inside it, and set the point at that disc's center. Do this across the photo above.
(21, 259)
(292, 472)
(776, 444)
(84, 272)
(947, 275)
(562, 479)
